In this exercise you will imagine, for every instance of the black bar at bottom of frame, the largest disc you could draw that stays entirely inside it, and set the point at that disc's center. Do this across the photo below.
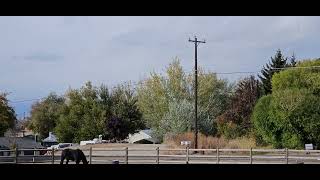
(185, 171)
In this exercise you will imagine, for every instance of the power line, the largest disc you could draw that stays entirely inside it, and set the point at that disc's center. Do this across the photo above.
(238, 72)
(224, 73)
(307, 67)
(26, 100)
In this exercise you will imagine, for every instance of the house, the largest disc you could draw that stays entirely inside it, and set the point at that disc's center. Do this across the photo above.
(19, 133)
(50, 140)
(7, 143)
(142, 137)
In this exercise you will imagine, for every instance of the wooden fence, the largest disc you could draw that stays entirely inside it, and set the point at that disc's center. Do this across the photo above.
(168, 156)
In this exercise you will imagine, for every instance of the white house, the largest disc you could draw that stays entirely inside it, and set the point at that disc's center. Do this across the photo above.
(142, 137)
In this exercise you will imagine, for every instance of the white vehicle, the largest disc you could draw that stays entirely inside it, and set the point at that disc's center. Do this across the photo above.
(60, 146)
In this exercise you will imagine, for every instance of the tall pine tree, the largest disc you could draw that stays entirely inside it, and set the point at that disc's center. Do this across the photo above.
(278, 61)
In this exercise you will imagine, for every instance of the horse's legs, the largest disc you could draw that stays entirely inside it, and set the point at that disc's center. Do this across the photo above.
(67, 161)
(77, 161)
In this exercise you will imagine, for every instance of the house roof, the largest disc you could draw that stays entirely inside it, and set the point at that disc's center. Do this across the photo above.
(142, 135)
(3, 147)
(147, 132)
(50, 138)
(22, 142)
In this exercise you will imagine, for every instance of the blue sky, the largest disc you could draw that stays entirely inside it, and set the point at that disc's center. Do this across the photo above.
(39, 55)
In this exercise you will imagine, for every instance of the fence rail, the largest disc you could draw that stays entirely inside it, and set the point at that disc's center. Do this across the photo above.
(168, 156)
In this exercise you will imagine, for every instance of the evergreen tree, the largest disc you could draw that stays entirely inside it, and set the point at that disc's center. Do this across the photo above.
(278, 61)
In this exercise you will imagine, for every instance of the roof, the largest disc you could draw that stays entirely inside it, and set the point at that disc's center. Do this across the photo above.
(147, 132)
(22, 142)
(50, 138)
(3, 147)
(142, 135)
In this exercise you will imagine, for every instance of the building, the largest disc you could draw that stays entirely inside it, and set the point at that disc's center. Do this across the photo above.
(50, 140)
(7, 143)
(143, 137)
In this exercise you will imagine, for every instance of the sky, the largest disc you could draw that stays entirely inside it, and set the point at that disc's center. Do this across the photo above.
(39, 55)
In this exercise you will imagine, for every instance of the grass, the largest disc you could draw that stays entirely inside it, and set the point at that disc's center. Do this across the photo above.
(210, 142)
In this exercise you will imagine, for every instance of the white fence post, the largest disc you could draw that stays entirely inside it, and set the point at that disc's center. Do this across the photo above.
(34, 154)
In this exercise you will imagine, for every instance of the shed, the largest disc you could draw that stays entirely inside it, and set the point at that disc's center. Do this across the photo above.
(143, 137)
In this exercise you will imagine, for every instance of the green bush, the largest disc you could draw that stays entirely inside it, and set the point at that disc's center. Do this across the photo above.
(229, 130)
(290, 116)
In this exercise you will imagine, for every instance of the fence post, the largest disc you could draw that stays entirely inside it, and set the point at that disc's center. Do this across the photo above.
(90, 155)
(157, 160)
(187, 155)
(126, 155)
(34, 154)
(218, 155)
(16, 155)
(287, 156)
(250, 155)
(52, 153)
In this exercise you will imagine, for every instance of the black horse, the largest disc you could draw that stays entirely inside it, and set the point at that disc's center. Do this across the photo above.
(74, 155)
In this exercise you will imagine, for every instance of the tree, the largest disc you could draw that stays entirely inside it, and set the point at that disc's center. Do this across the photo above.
(289, 117)
(126, 117)
(155, 93)
(82, 115)
(45, 114)
(91, 111)
(178, 119)
(116, 128)
(160, 93)
(236, 120)
(278, 61)
(7, 114)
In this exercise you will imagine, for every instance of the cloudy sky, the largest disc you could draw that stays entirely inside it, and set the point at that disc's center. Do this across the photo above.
(39, 55)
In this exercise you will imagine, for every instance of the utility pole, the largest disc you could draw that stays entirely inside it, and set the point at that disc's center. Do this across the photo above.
(196, 43)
